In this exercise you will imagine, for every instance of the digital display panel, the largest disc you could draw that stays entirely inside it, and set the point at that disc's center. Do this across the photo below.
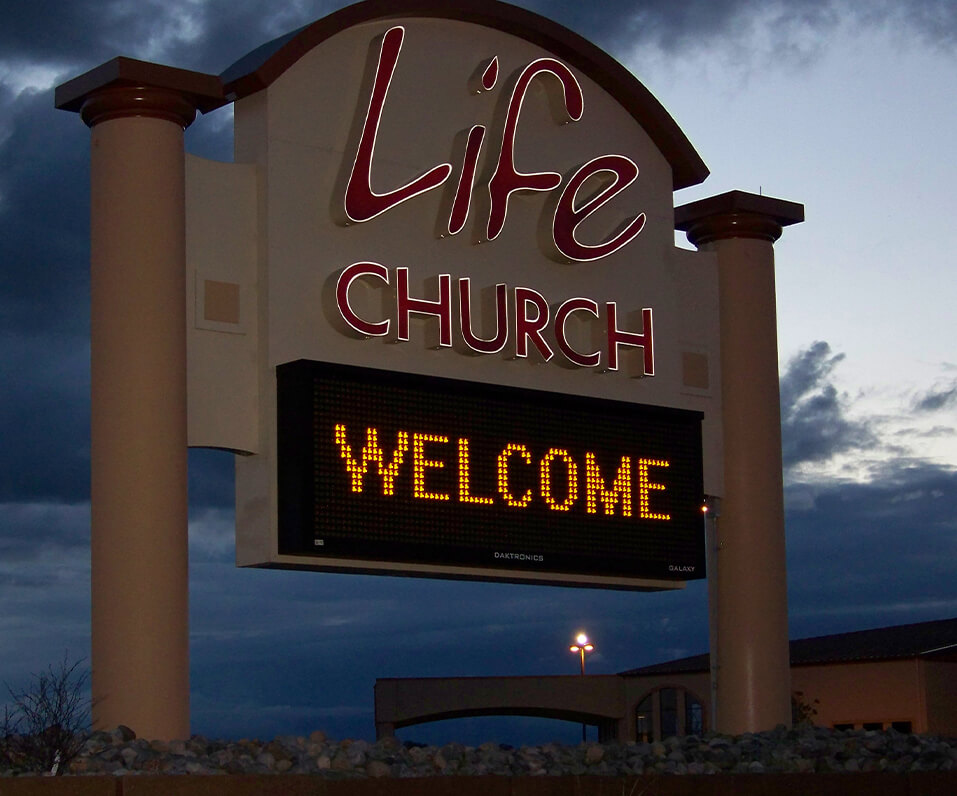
(379, 468)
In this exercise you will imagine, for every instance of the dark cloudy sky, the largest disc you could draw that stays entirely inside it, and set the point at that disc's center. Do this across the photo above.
(849, 111)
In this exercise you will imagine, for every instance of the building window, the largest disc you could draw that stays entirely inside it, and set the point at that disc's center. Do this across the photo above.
(900, 726)
(669, 711)
(668, 704)
(694, 715)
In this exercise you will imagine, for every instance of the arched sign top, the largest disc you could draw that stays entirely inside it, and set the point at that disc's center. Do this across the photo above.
(260, 68)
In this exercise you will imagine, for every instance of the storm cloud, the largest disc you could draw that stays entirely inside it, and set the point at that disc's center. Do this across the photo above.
(814, 421)
(854, 549)
(937, 398)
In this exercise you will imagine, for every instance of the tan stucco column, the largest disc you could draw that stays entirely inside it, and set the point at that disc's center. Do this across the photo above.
(140, 618)
(140, 634)
(753, 667)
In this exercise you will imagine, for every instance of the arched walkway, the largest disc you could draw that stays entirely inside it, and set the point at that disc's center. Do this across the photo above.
(595, 699)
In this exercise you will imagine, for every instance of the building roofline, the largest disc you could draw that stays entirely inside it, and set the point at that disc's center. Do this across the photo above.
(896, 642)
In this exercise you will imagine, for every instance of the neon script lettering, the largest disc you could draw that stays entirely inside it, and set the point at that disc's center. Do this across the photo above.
(607, 175)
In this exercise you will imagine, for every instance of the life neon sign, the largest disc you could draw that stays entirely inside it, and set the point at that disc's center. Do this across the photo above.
(384, 468)
(614, 173)
(520, 311)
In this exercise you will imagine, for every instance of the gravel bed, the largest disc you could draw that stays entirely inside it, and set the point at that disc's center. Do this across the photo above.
(806, 749)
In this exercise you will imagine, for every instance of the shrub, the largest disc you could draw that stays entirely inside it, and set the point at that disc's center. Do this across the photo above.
(803, 710)
(47, 724)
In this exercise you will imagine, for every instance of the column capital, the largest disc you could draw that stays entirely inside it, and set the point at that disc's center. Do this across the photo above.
(117, 102)
(126, 87)
(736, 214)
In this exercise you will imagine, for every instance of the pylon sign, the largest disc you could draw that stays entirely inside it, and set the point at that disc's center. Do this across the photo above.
(437, 300)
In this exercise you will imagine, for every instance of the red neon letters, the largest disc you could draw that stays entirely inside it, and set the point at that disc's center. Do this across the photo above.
(362, 203)
(532, 324)
(507, 179)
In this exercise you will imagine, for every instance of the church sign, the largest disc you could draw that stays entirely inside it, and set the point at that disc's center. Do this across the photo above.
(439, 297)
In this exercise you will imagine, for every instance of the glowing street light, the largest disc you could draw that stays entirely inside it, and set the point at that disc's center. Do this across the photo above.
(581, 646)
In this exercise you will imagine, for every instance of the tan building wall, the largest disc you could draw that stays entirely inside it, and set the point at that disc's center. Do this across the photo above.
(921, 692)
(940, 685)
(864, 693)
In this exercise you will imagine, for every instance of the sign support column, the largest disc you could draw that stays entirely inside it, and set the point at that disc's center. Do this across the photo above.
(753, 663)
(138, 453)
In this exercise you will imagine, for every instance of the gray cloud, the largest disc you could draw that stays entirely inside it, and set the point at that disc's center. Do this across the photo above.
(677, 26)
(937, 398)
(865, 554)
(44, 156)
(814, 422)
(934, 20)
(209, 36)
(44, 302)
(32, 531)
(44, 418)
(795, 28)
(937, 432)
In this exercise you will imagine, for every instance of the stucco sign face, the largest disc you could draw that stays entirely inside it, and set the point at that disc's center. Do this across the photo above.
(466, 193)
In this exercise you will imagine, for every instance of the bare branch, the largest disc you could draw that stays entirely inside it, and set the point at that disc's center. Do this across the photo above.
(49, 723)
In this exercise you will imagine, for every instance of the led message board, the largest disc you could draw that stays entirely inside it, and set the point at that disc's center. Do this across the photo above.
(380, 468)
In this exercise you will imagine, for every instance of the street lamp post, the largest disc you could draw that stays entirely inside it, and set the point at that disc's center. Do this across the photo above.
(581, 646)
